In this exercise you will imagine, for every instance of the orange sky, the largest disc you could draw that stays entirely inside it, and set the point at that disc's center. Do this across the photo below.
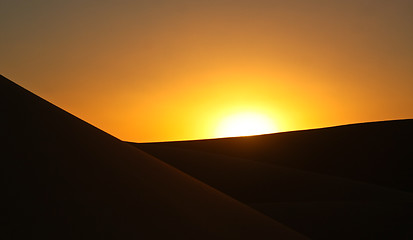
(172, 70)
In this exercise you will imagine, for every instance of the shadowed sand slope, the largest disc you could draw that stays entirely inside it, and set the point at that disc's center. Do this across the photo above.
(317, 205)
(66, 179)
(319, 202)
(254, 181)
(377, 152)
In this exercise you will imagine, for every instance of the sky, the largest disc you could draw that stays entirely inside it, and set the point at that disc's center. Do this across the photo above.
(160, 70)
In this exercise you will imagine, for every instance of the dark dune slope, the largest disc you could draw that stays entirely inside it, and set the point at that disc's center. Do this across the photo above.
(293, 178)
(256, 182)
(65, 179)
(377, 152)
(317, 205)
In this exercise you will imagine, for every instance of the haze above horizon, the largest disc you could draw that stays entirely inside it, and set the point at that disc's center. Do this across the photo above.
(148, 71)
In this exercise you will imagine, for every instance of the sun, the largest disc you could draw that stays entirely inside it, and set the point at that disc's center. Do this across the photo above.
(246, 124)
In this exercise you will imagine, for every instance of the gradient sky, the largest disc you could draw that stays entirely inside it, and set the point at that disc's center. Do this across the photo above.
(172, 70)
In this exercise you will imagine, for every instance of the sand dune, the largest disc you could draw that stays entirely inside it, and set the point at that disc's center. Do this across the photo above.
(377, 152)
(254, 181)
(66, 179)
(345, 220)
(319, 202)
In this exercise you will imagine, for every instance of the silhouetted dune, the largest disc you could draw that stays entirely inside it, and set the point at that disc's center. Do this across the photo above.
(255, 182)
(66, 179)
(376, 152)
(322, 201)
(345, 220)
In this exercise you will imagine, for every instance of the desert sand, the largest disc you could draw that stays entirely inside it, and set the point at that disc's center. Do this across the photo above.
(344, 182)
(66, 179)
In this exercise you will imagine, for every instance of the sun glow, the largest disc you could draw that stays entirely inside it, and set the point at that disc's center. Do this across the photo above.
(246, 124)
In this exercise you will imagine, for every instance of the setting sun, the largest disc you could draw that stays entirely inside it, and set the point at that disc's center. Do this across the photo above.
(245, 124)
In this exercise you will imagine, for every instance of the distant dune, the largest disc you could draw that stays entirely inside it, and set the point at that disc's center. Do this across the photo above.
(66, 179)
(345, 182)
(376, 152)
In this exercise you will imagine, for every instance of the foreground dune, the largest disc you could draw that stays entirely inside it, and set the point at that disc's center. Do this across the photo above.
(292, 177)
(66, 179)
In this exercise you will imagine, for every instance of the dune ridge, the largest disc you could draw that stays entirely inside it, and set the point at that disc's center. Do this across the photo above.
(292, 176)
(350, 151)
(66, 179)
